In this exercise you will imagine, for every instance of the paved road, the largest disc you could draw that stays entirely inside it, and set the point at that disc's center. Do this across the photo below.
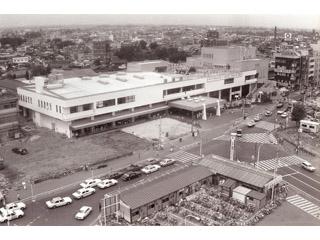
(37, 214)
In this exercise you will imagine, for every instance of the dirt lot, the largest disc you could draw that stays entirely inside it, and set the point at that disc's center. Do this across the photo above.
(150, 130)
(50, 153)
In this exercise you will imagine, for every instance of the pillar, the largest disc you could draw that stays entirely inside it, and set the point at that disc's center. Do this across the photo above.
(241, 91)
(230, 95)
(150, 105)
(132, 109)
(219, 94)
(133, 119)
(113, 113)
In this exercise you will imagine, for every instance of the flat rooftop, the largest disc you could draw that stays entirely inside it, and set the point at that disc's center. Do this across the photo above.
(196, 103)
(86, 86)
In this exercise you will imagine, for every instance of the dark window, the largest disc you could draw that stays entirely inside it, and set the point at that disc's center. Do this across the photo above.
(199, 86)
(127, 99)
(235, 89)
(188, 88)
(151, 206)
(229, 81)
(135, 213)
(87, 107)
(56, 107)
(73, 109)
(165, 200)
(106, 103)
(59, 109)
(173, 91)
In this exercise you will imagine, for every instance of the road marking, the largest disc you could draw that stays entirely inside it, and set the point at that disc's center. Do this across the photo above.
(304, 175)
(274, 163)
(298, 189)
(304, 205)
(183, 156)
(33, 220)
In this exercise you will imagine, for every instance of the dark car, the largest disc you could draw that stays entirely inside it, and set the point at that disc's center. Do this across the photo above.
(133, 168)
(130, 175)
(280, 105)
(21, 151)
(116, 175)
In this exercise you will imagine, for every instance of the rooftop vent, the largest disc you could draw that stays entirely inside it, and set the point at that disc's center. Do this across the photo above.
(86, 78)
(138, 76)
(121, 79)
(103, 81)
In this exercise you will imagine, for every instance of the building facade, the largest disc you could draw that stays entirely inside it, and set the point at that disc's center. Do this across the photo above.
(9, 124)
(316, 58)
(78, 106)
(291, 68)
(101, 49)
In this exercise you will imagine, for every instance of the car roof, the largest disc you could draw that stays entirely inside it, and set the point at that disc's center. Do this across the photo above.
(83, 208)
(306, 163)
(56, 198)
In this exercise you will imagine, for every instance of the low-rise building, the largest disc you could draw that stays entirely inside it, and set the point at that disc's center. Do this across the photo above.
(9, 123)
(86, 105)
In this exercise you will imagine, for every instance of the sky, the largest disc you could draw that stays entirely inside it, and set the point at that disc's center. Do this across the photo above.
(290, 21)
(264, 13)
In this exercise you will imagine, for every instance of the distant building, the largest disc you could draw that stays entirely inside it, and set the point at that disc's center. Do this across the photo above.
(291, 68)
(9, 124)
(316, 58)
(18, 60)
(148, 66)
(101, 49)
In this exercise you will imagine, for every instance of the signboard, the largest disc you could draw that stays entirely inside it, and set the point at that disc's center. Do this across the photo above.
(110, 205)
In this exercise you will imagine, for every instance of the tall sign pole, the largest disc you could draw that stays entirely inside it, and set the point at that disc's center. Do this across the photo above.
(232, 143)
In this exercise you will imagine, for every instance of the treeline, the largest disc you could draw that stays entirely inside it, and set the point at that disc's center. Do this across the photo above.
(59, 43)
(14, 42)
(139, 51)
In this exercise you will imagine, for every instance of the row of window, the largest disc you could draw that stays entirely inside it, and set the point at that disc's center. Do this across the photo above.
(25, 99)
(84, 107)
(183, 89)
(229, 81)
(44, 105)
(253, 76)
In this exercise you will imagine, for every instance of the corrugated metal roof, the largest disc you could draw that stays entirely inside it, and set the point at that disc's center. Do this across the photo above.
(228, 183)
(242, 190)
(238, 171)
(161, 187)
(256, 195)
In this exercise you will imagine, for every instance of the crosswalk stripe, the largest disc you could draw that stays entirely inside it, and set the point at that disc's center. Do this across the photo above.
(183, 156)
(279, 162)
(304, 205)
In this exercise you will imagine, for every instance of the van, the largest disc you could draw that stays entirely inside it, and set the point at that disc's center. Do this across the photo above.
(239, 132)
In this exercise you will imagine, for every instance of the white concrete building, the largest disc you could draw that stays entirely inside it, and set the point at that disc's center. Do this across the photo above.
(25, 59)
(78, 106)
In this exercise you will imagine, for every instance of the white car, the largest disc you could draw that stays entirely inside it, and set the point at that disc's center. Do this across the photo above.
(306, 165)
(251, 123)
(280, 112)
(107, 183)
(83, 192)
(9, 215)
(15, 206)
(150, 169)
(284, 115)
(89, 183)
(58, 202)
(83, 212)
(268, 113)
(257, 118)
(167, 162)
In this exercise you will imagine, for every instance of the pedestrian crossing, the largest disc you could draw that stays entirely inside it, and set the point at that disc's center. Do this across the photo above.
(305, 205)
(264, 138)
(267, 125)
(274, 163)
(183, 156)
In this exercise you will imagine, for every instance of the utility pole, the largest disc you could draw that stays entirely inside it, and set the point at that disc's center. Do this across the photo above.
(274, 176)
(232, 143)
(159, 147)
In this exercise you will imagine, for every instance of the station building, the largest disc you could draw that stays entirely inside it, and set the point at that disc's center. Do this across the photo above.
(86, 105)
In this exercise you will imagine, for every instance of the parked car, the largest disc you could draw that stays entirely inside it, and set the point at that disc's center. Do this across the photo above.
(9, 215)
(132, 167)
(167, 162)
(21, 151)
(239, 132)
(284, 115)
(58, 202)
(268, 113)
(116, 175)
(257, 118)
(150, 169)
(308, 166)
(153, 160)
(251, 123)
(83, 212)
(90, 183)
(107, 183)
(83, 192)
(15, 206)
(279, 105)
(130, 175)
(280, 112)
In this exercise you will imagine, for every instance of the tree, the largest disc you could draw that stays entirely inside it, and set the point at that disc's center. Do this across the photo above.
(153, 45)
(298, 113)
(143, 44)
